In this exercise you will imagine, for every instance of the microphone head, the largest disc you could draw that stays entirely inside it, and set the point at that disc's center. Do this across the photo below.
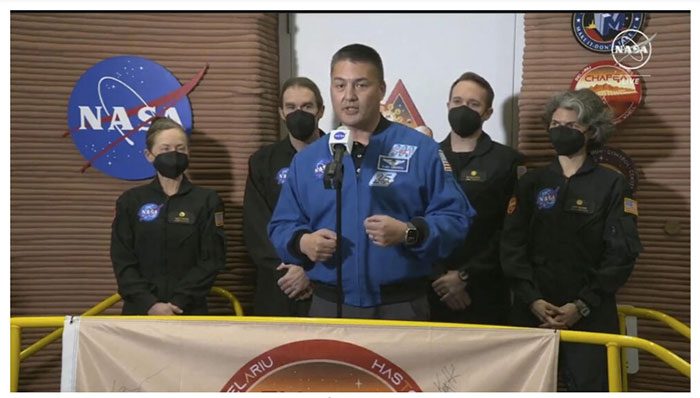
(340, 136)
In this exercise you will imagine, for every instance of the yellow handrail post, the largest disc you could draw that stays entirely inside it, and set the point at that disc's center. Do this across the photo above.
(15, 341)
(622, 321)
(235, 304)
(614, 379)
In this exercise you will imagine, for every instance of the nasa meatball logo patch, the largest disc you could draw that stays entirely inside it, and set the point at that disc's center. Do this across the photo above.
(320, 168)
(281, 176)
(320, 366)
(547, 197)
(149, 212)
(111, 107)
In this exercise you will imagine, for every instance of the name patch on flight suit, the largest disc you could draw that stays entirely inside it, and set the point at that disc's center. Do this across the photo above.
(386, 163)
(631, 206)
(149, 212)
(547, 197)
(181, 217)
(473, 175)
(382, 179)
(580, 205)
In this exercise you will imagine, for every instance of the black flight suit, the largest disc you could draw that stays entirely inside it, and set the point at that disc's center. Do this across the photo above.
(487, 176)
(267, 170)
(566, 239)
(167, 249)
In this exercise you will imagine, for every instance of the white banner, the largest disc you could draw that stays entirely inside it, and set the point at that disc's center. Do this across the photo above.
(253, 354)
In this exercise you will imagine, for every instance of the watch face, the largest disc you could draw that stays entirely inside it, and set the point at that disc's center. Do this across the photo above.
(411, 236)
(463, 275)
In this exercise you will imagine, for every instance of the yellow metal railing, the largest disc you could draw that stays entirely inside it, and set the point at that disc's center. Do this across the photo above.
(646, 313)
(627, 310)
(235, 304)
(15, 332)
(613, 342)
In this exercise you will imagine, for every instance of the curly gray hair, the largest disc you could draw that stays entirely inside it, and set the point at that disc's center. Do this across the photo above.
(590, 110)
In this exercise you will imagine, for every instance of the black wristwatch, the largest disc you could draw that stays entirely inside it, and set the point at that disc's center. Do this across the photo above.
(582, 308)
(411, 236)
(463, 275)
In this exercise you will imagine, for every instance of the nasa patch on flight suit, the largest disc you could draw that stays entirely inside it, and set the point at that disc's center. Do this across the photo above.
(281, 176)
(631, 206)
(547, 198)
(181, 217)
(392, 164)
(473, 175)
(580, 205)
(149, 212)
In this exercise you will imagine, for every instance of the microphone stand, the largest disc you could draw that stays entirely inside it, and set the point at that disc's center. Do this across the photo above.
(333, 179)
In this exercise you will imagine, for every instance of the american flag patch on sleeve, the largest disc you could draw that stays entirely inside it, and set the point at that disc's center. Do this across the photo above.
(631, 206)
(445, 163)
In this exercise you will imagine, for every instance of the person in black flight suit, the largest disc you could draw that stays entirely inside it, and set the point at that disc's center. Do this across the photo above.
(281, 289)
(570, 238)
(470, 286)
(168, 242)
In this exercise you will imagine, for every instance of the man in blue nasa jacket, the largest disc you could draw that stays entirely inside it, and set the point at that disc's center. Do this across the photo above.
(402, 208)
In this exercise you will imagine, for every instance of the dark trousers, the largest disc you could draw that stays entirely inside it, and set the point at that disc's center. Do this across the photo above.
(583, 367)
(269, 300)
(414, 310)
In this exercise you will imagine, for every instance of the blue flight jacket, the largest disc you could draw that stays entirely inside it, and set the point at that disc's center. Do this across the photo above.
(403, 175)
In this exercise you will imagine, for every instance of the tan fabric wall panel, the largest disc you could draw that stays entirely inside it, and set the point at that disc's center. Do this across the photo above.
(61, 218)
(657, 138)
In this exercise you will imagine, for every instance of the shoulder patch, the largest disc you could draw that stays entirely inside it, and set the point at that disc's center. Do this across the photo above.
(512, 205)
(219, 218)
(521, 170)
(631, 206)
(445, 163)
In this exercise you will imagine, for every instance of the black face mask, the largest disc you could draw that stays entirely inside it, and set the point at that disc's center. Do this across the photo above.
(464, 120)
(301, 124)
(566, 140)
(171, 164)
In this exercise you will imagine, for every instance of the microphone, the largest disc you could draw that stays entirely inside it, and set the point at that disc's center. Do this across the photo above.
(340, 142)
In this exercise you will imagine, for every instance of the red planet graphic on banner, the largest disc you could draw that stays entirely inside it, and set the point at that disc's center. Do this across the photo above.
(320, 366)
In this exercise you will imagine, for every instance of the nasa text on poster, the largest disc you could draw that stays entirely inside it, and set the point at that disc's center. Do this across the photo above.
(110, 109)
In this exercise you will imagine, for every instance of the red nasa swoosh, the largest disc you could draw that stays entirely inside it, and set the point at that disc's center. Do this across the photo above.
(167, 99)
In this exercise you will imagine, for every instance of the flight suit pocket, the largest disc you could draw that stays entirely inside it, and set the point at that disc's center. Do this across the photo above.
(181, 226)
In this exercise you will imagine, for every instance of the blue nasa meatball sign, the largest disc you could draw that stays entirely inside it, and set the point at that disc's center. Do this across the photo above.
(110, 108)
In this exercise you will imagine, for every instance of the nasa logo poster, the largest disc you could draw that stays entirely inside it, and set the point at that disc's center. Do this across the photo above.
(110, 108)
